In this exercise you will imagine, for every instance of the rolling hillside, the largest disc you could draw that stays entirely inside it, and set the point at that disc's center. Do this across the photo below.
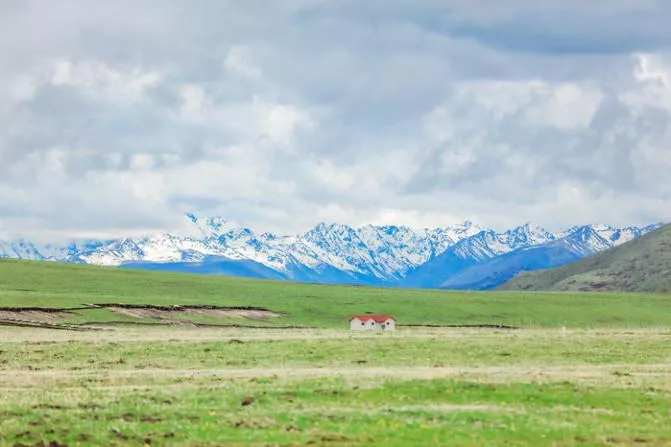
(640, 265)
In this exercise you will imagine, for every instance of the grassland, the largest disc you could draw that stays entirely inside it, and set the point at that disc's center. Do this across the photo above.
(271, 387)
(581, 370)
(40, 284)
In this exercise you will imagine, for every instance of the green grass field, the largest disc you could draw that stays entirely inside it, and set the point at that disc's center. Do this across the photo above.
(320, 387)
(41, 284)
(582, 370)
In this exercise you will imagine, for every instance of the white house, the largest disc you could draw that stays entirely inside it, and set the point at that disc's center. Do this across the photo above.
(371, 322)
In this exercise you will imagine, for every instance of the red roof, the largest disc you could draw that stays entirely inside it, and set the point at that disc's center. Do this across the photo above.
(378, 318)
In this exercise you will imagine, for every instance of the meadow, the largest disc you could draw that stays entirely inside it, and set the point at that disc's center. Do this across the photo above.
(54, 285)
(324, 387)
(578, 370)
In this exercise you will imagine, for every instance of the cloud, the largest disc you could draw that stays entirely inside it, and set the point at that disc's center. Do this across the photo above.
(602, 26)
(295, 112)
(101, 82)
(653, 89)
(251, 120)
(238, 61)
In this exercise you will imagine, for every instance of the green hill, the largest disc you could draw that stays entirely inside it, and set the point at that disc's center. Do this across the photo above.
(641, 265)
(26, 284)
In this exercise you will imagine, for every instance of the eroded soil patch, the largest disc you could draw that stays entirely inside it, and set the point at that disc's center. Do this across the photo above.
(54, 317)
(34, 315)
(37, 317)
(169, 312)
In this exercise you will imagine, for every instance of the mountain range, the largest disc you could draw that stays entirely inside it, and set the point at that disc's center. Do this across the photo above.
(465, 256)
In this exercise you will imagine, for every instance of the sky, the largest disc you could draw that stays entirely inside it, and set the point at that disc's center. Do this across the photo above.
(116, 118)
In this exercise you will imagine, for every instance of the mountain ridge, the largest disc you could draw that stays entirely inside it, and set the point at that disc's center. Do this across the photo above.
(332, 253)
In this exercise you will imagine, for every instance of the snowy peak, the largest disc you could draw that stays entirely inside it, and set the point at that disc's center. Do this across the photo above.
(330, 235)
(530, 234)
(397, 249)
(613, 235)
(619, 236)
(462, 231)
(588, 239)
(585, 240)
(21, 249)
(523, 236)
(488, 243)
(212, 226)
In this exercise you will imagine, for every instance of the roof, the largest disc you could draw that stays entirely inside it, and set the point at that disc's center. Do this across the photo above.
(378, 318)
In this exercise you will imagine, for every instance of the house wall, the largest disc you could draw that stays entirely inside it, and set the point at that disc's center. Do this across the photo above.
(356, 325)
(370, 325)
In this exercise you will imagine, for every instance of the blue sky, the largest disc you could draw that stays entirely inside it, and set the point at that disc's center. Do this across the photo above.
(118, 117)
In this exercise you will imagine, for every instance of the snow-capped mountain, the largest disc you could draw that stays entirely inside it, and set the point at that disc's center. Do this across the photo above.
(489, 259)
(473, 250)
(20, 249)
(589, 239)
(329, 253)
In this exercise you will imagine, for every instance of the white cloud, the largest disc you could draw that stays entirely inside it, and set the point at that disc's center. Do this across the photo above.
(280, 122)
(651, 69)
(331, 176)
(249, 120)
(653, 88)
(304, 111)
(239, 62)
(102, 82)
(22, 89)
(142, 162)
(566, 107)
(195, 104)
(412, 218)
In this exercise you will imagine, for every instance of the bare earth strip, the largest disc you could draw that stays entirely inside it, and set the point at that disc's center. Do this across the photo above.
(156, 313)
(621, 374)
(17, 335)
(36, 316)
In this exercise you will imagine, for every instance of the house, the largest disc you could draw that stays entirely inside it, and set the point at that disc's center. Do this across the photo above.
(371, 322)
